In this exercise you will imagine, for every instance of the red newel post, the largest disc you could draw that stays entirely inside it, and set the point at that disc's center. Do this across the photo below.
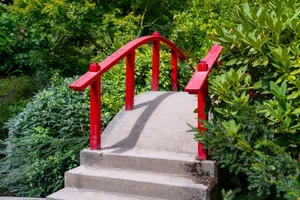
(155, 63)
(95, 108)
(202, 66)
(129, 98)
(174, 69)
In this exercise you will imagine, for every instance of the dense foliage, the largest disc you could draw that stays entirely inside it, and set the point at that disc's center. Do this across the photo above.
(14, 92)
(192, 26)
(256, 102)
(66, 35)
(255, 93)
(44, 140)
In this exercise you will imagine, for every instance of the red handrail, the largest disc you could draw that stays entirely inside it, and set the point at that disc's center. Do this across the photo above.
(199, 85)
(93, 78)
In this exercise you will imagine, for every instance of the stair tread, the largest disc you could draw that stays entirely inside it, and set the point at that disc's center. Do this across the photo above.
(82, 194)
(164, 155)
(160, 162)
(139, 176)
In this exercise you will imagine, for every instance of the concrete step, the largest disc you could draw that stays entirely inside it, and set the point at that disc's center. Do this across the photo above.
(19, 198)
(80, 194)
(159, 162)
(167, 186)
(145, 154)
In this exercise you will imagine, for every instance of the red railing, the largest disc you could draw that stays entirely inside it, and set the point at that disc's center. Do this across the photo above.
(199, 85)
(93, 78)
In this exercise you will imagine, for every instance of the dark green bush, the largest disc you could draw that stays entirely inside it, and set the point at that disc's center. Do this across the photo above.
(256, 103)
(14, 93)
(44, 140)
(13, 90)
(193, 26)
(68, 35)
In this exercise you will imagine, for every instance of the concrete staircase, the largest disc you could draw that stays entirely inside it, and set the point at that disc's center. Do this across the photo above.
(146, 154)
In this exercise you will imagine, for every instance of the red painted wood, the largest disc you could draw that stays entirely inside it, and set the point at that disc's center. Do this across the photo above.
(196, 82)
(198, 78)
(212, 56)
(129, 98)
(199, 85)
(174, 70)
(202, 94)
(95, 108)
(84, 81)
(202, 66)
(155, 65)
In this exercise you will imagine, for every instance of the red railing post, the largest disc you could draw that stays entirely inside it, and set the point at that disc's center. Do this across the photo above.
(174, 69)
(95, 110)
(155, 63)
(129, 98)
(202, 94)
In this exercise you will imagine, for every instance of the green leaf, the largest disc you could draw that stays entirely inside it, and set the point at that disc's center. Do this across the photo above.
(231, 127)
(244, 145)
(283, 88)
(294, 95)
(272, 167)
(270, 109)
(257, 85)
(247, 9)
(279, 26)
(256, 62)
(247, 80)
(275, 90)
(269, 22)
(265, 61)
(258, 153)
(231, 62)
(296, 111)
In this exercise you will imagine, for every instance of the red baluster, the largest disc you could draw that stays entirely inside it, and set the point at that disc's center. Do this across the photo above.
(129, 98)
(202, 94)
(95, 108)
(174, 69)
(155, 63)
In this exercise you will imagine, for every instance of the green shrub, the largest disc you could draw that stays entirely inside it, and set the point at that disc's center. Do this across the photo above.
(256, 103)
(14, 92)
(193, 26)
(44, 140)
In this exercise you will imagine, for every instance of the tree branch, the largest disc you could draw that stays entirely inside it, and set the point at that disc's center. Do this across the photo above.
(143, 18)
(98, 46)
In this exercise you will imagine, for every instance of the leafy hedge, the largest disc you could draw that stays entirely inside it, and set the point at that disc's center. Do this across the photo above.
(44, 140)
(256, 103)
(192, 27)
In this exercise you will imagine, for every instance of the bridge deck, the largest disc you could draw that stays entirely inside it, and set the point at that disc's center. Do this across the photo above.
(156, 127)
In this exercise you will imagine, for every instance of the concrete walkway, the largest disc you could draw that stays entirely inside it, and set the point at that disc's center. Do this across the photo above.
(155, 127)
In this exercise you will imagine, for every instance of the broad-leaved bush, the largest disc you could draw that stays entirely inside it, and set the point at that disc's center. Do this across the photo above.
(255, 101)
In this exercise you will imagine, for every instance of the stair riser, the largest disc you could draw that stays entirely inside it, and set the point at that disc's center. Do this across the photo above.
(130, 187)
(75, 194)
(50, 198)
(102, 160)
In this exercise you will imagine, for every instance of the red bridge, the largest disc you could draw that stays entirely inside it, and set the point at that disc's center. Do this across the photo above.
(145, 152)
